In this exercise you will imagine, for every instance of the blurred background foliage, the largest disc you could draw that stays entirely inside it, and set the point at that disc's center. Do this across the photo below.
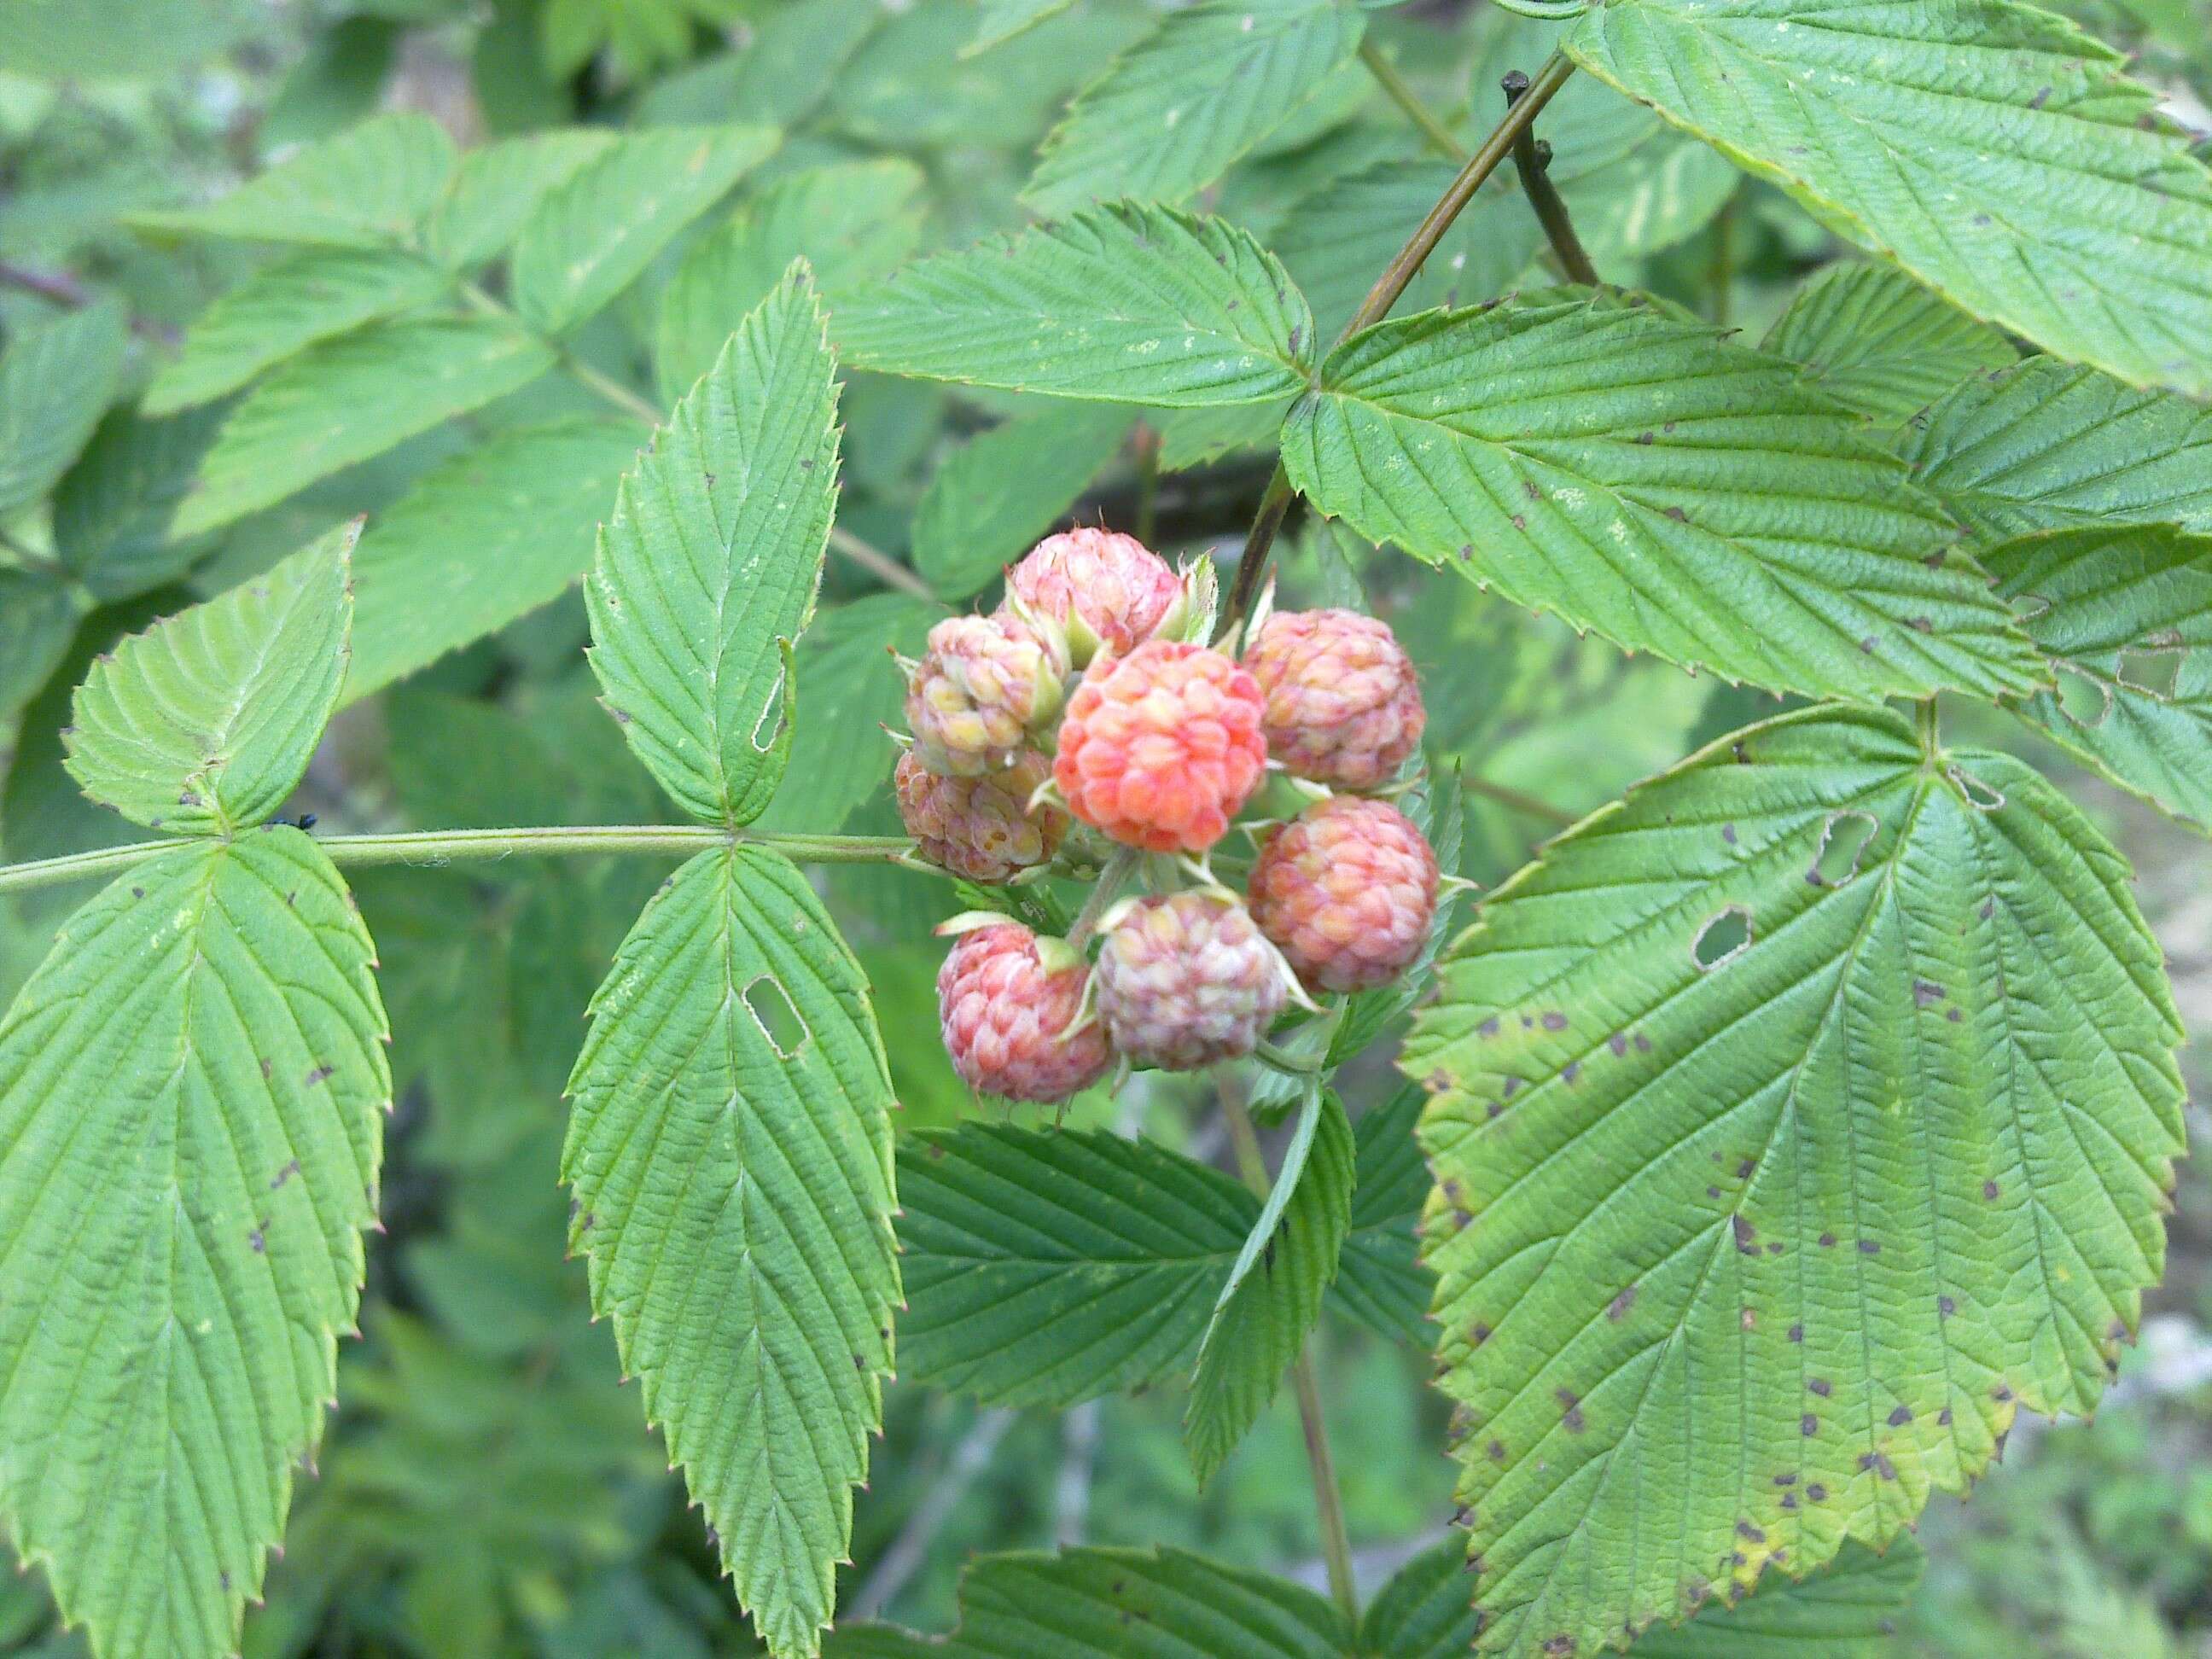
(488, 1487)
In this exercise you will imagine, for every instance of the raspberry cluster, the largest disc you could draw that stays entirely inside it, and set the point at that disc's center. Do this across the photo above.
(1161, 742)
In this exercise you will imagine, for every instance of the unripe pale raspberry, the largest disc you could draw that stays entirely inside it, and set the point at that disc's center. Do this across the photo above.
(982, 828)
(983, 685)
(1187, 980)
(1005, 1000)
(1159, 748)
(1348, 888)
(1107, 592)
(1343, 706)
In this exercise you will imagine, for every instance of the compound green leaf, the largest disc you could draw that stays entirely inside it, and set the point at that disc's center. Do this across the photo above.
(732, 1126)
(2125, 612)
(1047, 1268)
(991, 501)
(845, 664)
(1127, 302)
(55, 382)
(1796, 1121)
(350, 399)
(112, 509)
(203, 724)
(1656, 484)
(1117, 1604)
(497, 531)
(1273, 1295)
(706, 574)
(369, 186)
(192, 1092)
(593, 234)
(497, 187)
(1852, 1608)
(1992, 149)
(284, 308)
(1872, 338)
(2049, 444)
(853, 223)
(1173, 112)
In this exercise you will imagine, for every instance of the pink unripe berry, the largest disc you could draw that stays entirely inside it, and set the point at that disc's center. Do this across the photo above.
(1348, 888)
(1343, 705)
(981, 828)
(985, 683)
(1188, 980)
(1106, 590)
(1007, 1002)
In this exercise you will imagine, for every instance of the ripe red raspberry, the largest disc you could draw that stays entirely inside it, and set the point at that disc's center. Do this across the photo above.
(1159, 748)
(1188, 980)
(982, 828)
(1006, 1000)
(984, 683)
(1343, 706)
(1348, 888)
(1106, 590)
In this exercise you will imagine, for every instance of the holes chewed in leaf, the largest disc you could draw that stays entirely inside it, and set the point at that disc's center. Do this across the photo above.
(1843, 842)
(1723, 938)
(2084, 698)
(779, 1022)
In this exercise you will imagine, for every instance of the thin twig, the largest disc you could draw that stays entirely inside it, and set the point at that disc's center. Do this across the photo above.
(1533, 161)
(1385, 75)
(1328, 1501)
(1722, 275)
(61, 289)
(1392, 283)
(879, 563)
(1506, 795)
(1146, 446)
(441, 847)
(911, 1548)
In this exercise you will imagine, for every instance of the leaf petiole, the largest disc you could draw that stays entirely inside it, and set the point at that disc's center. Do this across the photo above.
(431, 847)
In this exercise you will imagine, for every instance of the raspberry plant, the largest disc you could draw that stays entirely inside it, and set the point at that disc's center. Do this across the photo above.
(1777, 1134)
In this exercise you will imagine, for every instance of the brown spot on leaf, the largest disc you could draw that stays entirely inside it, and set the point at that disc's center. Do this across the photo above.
(1820, 1385)
(1617, 1310)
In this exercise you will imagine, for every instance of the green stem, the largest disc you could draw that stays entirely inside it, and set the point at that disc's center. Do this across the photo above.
(882, 566)
(1111, 880)
(1533, 161)
(879, 564)
(1386, 76)
(1722, 274)
(1527, 806)
(603, 385)
(1146, 444)
(613, 391)
(1328, 1501)
(1391, 284)
(432, 847)
(1925, 723)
